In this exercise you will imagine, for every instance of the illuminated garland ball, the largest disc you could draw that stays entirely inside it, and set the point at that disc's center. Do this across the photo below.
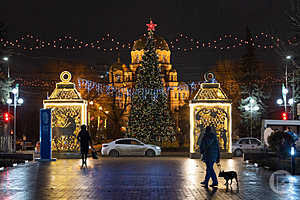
(209, 77)
(68, 78)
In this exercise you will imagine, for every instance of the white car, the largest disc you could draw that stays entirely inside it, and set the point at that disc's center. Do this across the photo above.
(246, 145)
(129, 147)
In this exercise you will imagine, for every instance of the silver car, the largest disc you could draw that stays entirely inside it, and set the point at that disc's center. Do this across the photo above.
(244, 145)
(129, 147)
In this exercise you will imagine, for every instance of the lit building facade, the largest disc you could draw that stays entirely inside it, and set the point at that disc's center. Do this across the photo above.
(122, 77)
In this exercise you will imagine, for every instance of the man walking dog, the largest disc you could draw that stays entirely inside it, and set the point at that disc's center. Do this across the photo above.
(209, 148)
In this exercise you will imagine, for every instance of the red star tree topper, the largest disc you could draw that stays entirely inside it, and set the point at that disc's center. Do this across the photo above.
(151, 26)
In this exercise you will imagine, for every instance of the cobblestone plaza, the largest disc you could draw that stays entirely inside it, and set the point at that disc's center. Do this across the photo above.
(134, 178)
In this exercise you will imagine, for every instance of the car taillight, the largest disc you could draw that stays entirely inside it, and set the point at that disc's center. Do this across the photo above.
(105, 145)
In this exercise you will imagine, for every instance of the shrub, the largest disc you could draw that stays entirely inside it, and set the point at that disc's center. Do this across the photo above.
(280, 142)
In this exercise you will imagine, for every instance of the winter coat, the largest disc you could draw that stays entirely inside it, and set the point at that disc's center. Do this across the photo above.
(209, 147)
(84, 139)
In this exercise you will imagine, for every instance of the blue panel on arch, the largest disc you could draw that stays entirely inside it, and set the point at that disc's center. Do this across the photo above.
(45, 134)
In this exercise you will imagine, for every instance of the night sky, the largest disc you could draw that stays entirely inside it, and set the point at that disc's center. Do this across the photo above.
(125, 20)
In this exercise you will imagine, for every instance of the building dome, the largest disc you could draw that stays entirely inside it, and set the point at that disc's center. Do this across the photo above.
(160, 43)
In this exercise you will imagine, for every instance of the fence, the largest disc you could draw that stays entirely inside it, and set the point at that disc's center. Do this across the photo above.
(6, 143)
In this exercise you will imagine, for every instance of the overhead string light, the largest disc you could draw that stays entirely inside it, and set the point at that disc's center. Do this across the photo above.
(104, 88)
(107, 43)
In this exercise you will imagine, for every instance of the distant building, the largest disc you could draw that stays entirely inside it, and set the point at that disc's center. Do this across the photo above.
(123, 77)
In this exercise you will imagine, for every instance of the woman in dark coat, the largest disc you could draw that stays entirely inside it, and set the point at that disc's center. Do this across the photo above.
(85, 140)
(209, 148)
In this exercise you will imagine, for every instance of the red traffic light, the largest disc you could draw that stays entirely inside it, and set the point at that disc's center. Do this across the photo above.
(6, 117)
(284, 116)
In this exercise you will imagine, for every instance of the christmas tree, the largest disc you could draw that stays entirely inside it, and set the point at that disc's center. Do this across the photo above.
(150, 119)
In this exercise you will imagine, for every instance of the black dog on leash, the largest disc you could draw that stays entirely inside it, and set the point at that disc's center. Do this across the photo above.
(229, 176)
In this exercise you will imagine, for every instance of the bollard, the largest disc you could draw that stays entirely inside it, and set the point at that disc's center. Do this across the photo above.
(293, 160)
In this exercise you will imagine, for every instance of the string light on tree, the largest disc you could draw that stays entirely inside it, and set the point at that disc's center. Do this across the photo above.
(149, 118)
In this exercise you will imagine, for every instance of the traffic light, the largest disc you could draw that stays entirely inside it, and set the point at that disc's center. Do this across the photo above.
(284, 116)
(6, 117)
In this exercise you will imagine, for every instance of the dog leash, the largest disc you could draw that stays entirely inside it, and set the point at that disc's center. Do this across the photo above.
(219, 166)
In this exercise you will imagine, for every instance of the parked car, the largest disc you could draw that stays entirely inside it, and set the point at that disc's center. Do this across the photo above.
(28, 145)
(129, 147)
(247, 145)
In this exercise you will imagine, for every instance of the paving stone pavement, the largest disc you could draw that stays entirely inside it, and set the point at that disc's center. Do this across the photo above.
(134, 178)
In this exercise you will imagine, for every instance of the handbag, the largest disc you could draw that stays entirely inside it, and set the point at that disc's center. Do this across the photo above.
(94, 154)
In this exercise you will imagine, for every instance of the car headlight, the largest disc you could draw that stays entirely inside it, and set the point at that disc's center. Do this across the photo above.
(158, 148)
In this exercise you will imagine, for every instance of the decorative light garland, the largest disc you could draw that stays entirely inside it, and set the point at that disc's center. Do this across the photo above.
(108, 43)
(101, 88)
(105, 88)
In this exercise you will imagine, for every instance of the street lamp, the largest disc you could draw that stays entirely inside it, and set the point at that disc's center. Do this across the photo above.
(251, 107)
(291, 102)
(15, 91)
(9, 101)
(5, 58)
(283, 101)
(284, 88)
(20, 101)
(16, 101)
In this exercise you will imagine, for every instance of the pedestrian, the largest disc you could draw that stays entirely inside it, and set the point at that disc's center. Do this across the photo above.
(290, 132)
(180, 140)
(209, 148)
(224, 138)
(85, 140)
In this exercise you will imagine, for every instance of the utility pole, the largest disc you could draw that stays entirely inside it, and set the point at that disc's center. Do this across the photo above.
(293, 97)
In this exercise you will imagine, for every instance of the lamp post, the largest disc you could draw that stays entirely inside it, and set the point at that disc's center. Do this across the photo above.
(285, 89)
(251, 107)
(284, 102)
(16, 101)
(288, 57)
(6, 60)
(293, 165)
